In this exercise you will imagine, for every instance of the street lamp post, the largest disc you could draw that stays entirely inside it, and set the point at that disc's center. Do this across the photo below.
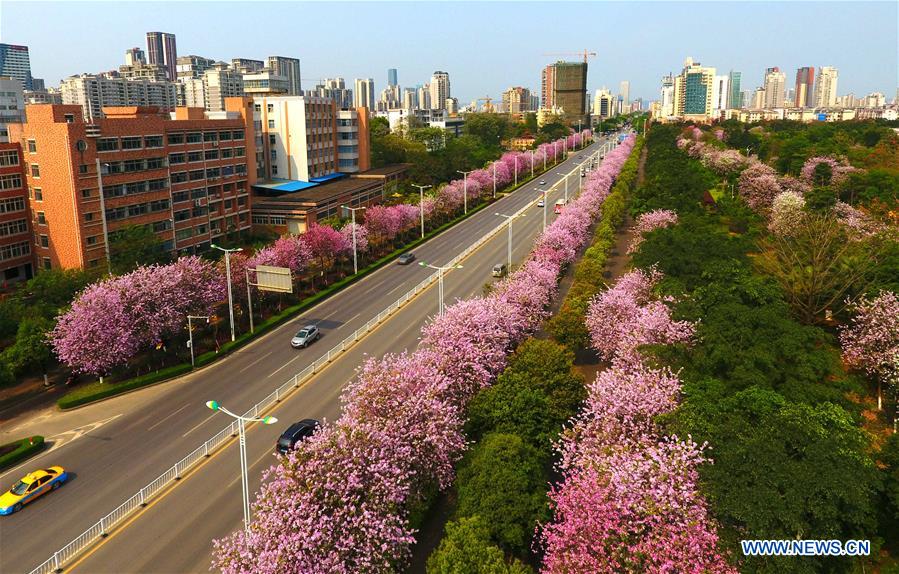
(532, 162)
(543, 191)
(565, 175)
(544, 159)
(228, 253)
(440, 270)
(494, 180)
(421, 204)
(516, 170)
(103, 214)
(190, 333)
(509, 218)
(464, 188)
(353, 211)
(243, 454)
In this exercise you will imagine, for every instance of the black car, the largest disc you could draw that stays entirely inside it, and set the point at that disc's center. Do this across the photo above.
(405, 258)
(297, 432)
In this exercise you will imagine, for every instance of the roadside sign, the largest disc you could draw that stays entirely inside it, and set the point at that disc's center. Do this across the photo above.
(277, 279)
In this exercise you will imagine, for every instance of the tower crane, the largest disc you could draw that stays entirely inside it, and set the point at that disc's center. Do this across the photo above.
(488, 106)
(585, 54)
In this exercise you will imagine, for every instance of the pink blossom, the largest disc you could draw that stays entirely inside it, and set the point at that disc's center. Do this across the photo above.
(786, 213)
(871, 340)
(649, 221)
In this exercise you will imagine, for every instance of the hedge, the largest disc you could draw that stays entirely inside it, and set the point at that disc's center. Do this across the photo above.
(568, 326)
(28, 447)
(98, 391)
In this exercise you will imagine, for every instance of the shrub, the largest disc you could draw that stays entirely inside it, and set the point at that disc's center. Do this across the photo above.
(466, 549)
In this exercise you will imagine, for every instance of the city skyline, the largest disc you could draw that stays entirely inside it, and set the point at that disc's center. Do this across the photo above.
(864, 52)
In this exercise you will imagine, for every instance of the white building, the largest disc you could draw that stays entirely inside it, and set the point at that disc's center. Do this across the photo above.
(12, 104)
(265, 81)
(775, 88)
(826, 87)
(604, 103)
(720, 94)
(296, 137)
(666, 102)
(348, 139)
(440, 90)
(875, 100)
(424, 97)
(93, 92)
(364, 94)
(624, 90)
(288, 68)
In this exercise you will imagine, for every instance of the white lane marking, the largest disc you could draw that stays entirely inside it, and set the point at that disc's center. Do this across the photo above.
(168, 417)
(257, 461)
(256, 361)
(285, 365)
(198, 426)
(64, 438)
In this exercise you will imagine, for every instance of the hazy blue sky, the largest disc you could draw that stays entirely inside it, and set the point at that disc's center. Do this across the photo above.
(485, 47)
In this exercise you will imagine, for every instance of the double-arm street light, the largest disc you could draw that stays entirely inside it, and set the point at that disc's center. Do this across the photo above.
(353, 211)
(421, 204)
(464, 187)
(241, 421)
(190, 333)
(440, 270)
(228, 253)
(509, 218)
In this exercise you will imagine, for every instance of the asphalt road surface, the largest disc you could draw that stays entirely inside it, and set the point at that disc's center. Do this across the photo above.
(134, 439)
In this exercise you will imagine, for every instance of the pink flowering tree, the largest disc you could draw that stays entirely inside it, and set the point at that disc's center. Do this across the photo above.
(835, 173)
(871, 340)
(858, 224)
(786, 213)
(361, 233)
(650, 221)
(325, 244)
(758, 186)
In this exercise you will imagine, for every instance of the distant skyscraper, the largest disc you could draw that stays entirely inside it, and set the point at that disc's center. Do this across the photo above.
(775, 84)
(162, 52)
(666, 103)
(135, 56)
(604, 104)
(805, 87)
(15, 62)
(391, 77)
(440, 90)
(193, 67)
(720, 95)
(693, 91)
(624, 89)
(364, 94)
(247, 65)
(290, 69)
(424, 97)
(826, 87)
(517, 100)
(736, 97)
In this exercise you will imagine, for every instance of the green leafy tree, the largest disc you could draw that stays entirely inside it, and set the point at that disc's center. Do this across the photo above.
(466, 549)
(31, 349)
(133, 246)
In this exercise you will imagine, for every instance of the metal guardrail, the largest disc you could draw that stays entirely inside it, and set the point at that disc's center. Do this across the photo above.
(140, 499)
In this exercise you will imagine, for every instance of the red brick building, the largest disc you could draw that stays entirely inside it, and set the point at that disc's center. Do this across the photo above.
(185, 175)
(16, 253)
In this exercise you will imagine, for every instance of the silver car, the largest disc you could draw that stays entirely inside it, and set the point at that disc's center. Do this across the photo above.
(305, 337)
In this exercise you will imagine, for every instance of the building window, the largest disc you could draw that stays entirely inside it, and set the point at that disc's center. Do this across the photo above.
(92, 240)
(107, 144)
(14, 250)
(227, 153)
(176, 139)
(272, 139)
(152, 141)
(13, 181)
(274, 170)
(278, 220)
(155, 163)
(93, 263)
(182, 215)
(210, 136)
(8, 158)
(179, 177)
(32, 146)
(38, 194)
(194, 156)
(88, 216)
(197, 174)
(47, 264)
(225, 136)
(237, 134)
(82, 169)
(194, 137)
(211, 154)
(132, 165)
(257, 108)
(13, 227)
(240, 151)
(41, 218)
(35, 170)
(270, 108)
(70, 118)
(182, 234)
(45, 241)
(85, 193)
(260, 219)
(132, 142)
(179, 196)
(271, 124)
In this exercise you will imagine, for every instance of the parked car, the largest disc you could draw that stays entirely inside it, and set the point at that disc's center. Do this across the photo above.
(31, 486)
(405, 258)
(305, 337)
(499, 270)
(295, 433)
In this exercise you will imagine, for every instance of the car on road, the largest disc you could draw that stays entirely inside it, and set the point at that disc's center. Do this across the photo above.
(541, 202)
(295, 433)
(31, 486)
(305, 336)
(499, 270)
(542, 182)
(405, 258)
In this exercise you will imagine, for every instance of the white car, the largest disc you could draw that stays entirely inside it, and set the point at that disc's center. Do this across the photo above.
(305, 336)
(541, 202)
(543, 182)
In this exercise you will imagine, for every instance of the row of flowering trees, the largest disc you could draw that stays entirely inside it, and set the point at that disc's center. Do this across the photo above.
(341, 501)
(629, 500)
(133, 313)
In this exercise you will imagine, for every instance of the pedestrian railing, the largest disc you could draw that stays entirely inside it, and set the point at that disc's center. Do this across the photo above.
(140, 499)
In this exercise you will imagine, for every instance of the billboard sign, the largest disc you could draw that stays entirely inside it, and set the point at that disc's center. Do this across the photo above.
(276, 279)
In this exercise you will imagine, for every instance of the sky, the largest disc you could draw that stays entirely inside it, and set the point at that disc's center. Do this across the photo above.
(486, 47)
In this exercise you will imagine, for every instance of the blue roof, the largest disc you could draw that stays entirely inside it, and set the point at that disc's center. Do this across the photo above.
(325, 178)
(285, 185)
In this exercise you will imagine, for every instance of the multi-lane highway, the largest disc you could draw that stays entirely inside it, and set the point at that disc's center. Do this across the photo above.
(143, 434)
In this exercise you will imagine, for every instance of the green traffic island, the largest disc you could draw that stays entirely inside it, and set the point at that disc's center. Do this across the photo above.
(97, 391)
(18, 450)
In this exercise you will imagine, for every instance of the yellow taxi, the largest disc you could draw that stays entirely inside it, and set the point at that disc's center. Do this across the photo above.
(30, 487)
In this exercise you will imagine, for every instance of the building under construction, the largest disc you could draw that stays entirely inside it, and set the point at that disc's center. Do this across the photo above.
(564, 87)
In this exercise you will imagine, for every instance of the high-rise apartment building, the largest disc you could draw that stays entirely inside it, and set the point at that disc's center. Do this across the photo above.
(826, 87)
(735, 100)
(775, 88)
(666, 101)
(693, 91)
(93, 92)
(143, 71)
(517, 100)
(440, 90)
(391, 98)
(134, 56)
(265, 82)
(424, 97)
(353, 149)
(364, 93)
(392, 77)
(290, 69)
(221, 82)
(547, 85)
(12, 104)
(410, 99)
(758, 99)
(804, 92)
(720, 95)
(569, 90)
(162, 51)
(16, 63)
(183, 175)
(624, 90)
(16, 239)
(875, 100)
(604, 103)
(192, 67)
(335, 89)
(247, 65)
